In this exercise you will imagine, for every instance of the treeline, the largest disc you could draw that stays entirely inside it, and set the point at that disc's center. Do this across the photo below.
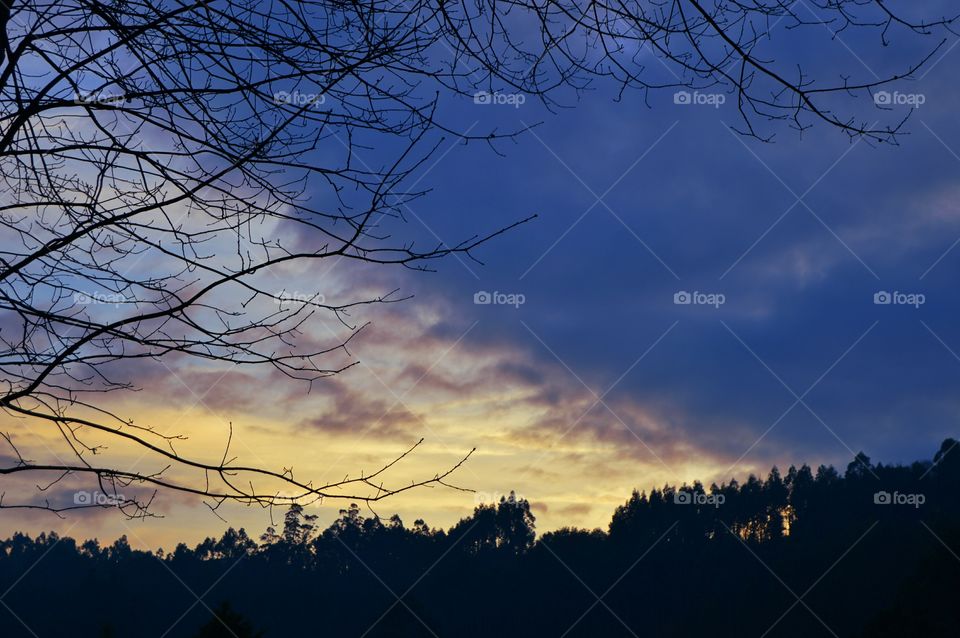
(869, 553)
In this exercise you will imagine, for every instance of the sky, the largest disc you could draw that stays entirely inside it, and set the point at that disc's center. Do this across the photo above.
(587, 376)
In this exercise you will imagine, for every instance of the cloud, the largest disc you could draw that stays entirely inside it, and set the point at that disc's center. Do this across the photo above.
(574, 510)
(354, 414)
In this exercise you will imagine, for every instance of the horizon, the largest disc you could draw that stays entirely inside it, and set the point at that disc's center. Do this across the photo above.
(326, 515)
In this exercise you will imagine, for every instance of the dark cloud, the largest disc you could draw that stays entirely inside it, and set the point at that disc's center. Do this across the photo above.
(574, 510)
(721, 212)
(352, 413)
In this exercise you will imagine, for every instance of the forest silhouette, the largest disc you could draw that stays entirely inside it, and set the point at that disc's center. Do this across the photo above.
(870, 552)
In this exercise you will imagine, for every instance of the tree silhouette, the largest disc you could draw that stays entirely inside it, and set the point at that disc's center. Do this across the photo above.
(515, 522)
(666, 566)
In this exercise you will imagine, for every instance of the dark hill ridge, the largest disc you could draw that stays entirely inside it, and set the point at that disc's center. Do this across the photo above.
(869, 553)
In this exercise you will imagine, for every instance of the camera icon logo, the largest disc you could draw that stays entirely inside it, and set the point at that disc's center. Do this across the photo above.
(682, 97)
(682, 298)
(482, 97)
(682, 498)
(881, 498)
(882, 98)
(482, 298)
(82, 498)
(882, 298)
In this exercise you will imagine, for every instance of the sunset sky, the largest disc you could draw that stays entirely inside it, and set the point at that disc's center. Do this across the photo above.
(598, 382)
